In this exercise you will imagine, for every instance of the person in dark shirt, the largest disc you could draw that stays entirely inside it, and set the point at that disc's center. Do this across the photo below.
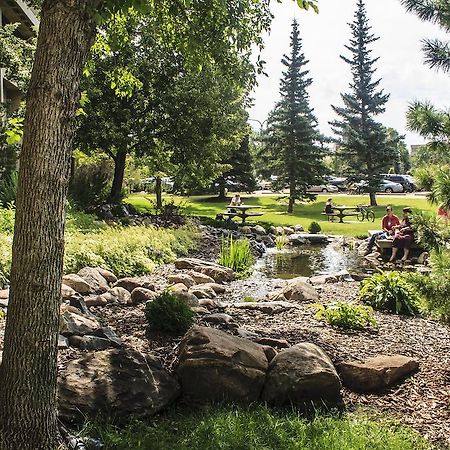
(404, 236)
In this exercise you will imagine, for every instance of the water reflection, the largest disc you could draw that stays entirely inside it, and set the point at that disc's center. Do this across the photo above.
(311, 260)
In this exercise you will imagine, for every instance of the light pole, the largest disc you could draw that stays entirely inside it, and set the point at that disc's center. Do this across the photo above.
(261, 124)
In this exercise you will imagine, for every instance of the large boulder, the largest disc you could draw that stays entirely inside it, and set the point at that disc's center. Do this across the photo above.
(215, 366)
(67, 292)
(93, 277)
(77, 283)
(115, 383)
(72, 323)
(121, 295)
(296, 290)
(213, 270)
(142, 295)
(203, 291)
(131, 283)
(376, 373)
(300, 374)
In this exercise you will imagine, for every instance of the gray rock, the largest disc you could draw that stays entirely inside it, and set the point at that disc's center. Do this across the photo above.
(122, 295)
(115, 383)
(4, 294)
(131, 283)
(215, 271)
(78, 284)
(211, 303)
(107, 275)
(72, 323)
(270, 352)
(322, 279)
(92, 276)
(203, 291)
(296, 290)
(89, 342)
(63, 342)
(259, 230)
(201, 278)
(297, 239)
(67, 292)
(181, 291)
(266, 307)
(215, 366)
(108, 333)
(298, 228)
(142, 295)
(220, 319)
(300, 374)
(183, 278)
(99, 300)
(272, 342)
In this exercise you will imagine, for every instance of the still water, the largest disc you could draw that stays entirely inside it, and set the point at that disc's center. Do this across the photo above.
(309, 261)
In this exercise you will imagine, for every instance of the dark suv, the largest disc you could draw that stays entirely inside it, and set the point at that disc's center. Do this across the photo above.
(401, 179)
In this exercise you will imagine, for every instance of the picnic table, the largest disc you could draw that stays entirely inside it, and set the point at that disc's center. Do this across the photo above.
(341, 212)
(242, 212)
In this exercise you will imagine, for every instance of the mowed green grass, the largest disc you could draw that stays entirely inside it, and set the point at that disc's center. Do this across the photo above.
(274, 208)
(257, 428)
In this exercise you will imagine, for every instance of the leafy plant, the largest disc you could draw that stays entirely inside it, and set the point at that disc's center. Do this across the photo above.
(249, 299)
(390, 291)
(346, 315)
(7, 219)
(169, 314)
(281, 241)
(430, 233)
(314, 228)
(237, 255)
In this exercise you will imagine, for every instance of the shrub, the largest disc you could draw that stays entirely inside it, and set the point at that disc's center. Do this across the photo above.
(7, 219)
(127, 251)
(314, 228)
(346, 315)
(430, 232)
(237, 255)
(169, 314)
(390, 291)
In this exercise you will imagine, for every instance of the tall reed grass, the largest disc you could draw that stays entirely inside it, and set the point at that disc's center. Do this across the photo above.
(237, 255)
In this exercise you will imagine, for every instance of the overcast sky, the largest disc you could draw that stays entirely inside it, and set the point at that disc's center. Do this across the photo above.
(400, 66)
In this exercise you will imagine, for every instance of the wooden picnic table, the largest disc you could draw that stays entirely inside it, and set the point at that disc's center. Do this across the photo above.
(341, 212)
(241, 211)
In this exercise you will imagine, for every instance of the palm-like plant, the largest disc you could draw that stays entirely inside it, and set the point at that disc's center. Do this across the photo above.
(437, 52)
(440, 192)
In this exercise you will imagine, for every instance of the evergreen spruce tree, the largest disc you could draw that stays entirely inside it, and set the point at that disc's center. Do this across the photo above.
(291, 138)
(362, 139)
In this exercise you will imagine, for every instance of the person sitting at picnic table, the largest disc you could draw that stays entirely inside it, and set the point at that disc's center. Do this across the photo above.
(236, 200)
(389, 221)
(403, 237)
(444, 214)
(328, 209)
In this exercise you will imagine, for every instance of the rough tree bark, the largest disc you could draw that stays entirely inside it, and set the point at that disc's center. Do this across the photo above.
(291, 199)
(158, 191)
(222, 189)
(119, 174)
(28, 412)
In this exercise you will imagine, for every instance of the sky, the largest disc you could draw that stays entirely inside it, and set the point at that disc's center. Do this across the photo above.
(401, 65)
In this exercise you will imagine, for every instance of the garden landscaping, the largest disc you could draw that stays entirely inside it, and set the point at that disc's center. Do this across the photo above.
(256, 339)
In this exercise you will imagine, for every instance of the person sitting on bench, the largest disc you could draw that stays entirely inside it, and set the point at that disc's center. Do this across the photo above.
(404, 236)
(389, 221)
(328, 210)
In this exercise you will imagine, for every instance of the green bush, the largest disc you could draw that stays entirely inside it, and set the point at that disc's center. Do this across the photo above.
(314, 228)
(390, 291)
(169, 314)
(127, 251)
(430, 232)
(237, 255)
(7, 219)
(346, 315)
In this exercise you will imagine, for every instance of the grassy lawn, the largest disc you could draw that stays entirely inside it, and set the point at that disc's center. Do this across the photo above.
(274, 208)
(257, 428)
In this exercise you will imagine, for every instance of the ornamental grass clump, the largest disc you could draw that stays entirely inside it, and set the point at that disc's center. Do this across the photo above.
(281, 241)
(346, 315)
(237, 255)
(169, 314)
(390, 291)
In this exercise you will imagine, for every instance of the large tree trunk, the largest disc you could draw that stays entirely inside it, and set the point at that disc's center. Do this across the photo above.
(158, 191)
(373, 199)
(28, 416)
(119, 173)
(222, 189)
(291, 199)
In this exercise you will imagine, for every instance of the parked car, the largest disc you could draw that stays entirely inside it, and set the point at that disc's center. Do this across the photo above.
(323, 188)
(339, 182)
(385, 186)
(264, 185)
(404, 180)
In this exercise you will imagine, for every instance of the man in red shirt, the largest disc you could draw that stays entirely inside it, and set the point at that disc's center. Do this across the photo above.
(390, 220)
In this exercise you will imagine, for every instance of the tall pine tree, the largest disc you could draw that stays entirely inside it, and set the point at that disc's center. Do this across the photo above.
(292, 139)
(362, 139)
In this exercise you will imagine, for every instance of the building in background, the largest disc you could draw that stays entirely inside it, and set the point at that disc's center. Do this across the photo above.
(15, 11)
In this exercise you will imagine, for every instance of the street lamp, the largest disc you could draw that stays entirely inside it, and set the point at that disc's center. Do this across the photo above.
(261, 124)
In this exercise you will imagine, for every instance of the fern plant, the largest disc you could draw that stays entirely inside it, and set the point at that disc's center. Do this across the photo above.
(390, 291)
(346, 315)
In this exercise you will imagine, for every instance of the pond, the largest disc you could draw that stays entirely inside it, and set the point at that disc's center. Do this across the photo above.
(311, 260)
